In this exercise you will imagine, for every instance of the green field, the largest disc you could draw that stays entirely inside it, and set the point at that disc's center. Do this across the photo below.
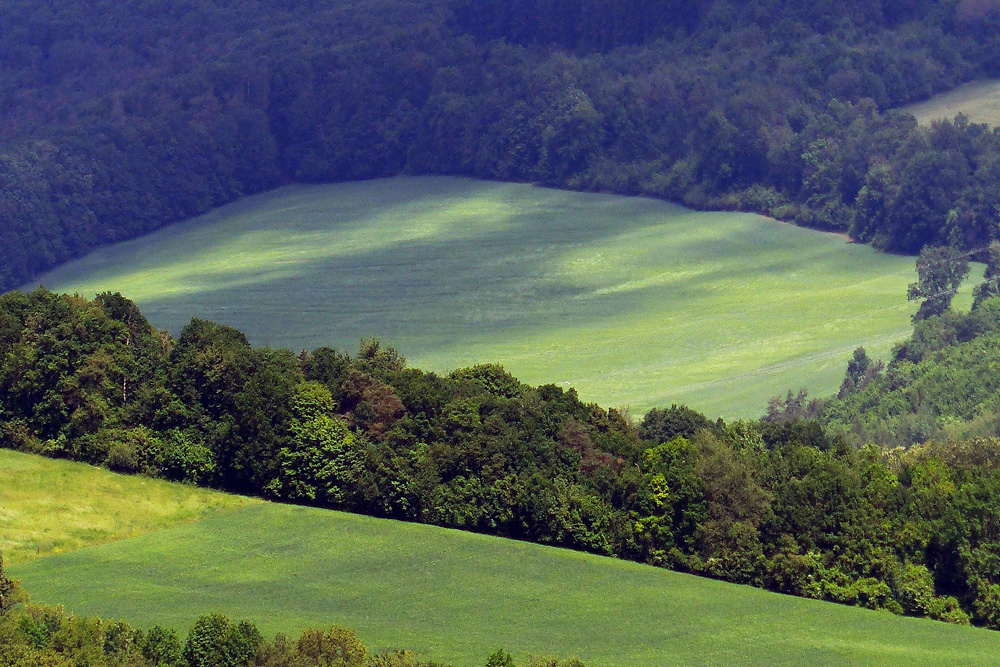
(457, 596)
(48, 506)
(979, 100)
(633, 301)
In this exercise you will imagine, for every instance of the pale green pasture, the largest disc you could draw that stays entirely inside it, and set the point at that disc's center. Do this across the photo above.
(979, 100)
(48, 506)
(456, 597)
(632, 301)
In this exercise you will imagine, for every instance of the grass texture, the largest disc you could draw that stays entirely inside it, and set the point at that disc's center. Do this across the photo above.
(457, 596)
(979, 100)
(633, 301)
(48, 506)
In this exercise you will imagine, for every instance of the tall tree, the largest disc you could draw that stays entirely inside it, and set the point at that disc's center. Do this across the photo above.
(939, 273)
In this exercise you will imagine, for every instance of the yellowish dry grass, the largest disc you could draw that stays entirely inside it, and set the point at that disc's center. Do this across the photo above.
(49, 506)
(979, 100)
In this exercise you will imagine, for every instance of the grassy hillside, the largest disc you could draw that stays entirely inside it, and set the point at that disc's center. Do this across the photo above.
(980, 101)
(49, 506)
(454, 596)
(630, 300)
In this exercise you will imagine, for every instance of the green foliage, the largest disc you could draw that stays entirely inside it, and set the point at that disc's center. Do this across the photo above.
(940, 271)
(661, 426)
(183, 458)
(325, 459)
(38, 635)
(744, 436)
(376, 358)
(10, 591)
(991, 278)
(333, 647)
(214, 641)
(779, 503)
(493, 378)
(860, 371)
(500, 658)
(162, 647)
(790, 571)
(671, 502)
(50, 637)
(737, 505)
(106, 140)
(916, 595)
(941, 382)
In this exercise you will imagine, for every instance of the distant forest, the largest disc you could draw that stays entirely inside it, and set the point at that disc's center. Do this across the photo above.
(119, 118)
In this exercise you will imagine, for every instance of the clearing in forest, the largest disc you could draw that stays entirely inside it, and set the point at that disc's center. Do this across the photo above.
(632, 301)
(979, 100)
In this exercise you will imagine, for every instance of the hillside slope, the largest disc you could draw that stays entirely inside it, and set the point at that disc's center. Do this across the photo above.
(980, 101)
(49, 506)
(448, 594)
(120, 118)
(629, 300)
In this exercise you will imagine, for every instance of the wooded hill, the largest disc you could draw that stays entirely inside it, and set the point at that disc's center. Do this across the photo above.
(118, 118)
(775, 503)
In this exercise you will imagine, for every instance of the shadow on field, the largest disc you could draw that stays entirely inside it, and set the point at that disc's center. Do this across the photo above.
(492, 280)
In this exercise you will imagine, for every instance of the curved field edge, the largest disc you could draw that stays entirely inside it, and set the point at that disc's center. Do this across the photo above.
(979, 100)
(49, 506)
(630, 300)
(455, 596)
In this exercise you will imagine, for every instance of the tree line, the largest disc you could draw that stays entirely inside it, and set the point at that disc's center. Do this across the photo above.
(779, 503)
(119, 119)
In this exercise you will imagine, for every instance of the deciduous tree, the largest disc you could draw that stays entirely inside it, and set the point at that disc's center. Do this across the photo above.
(940, 271)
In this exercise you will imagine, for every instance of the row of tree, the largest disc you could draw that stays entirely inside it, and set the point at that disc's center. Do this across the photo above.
(116, 122)
(776, 503)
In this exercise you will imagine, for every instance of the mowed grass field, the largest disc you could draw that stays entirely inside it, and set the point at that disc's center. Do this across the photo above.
(456, 597)
(979, 100)
(633, 301)
(49, 506)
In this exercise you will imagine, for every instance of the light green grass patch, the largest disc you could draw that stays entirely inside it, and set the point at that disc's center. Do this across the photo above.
(979, 100)
(457, 596)
(632, 301)
(48, 506)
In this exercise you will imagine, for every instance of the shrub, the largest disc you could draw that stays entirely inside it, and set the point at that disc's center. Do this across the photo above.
(333, 647)
(162, 647)
(183, 458)
(215, 642)
(663, 425)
